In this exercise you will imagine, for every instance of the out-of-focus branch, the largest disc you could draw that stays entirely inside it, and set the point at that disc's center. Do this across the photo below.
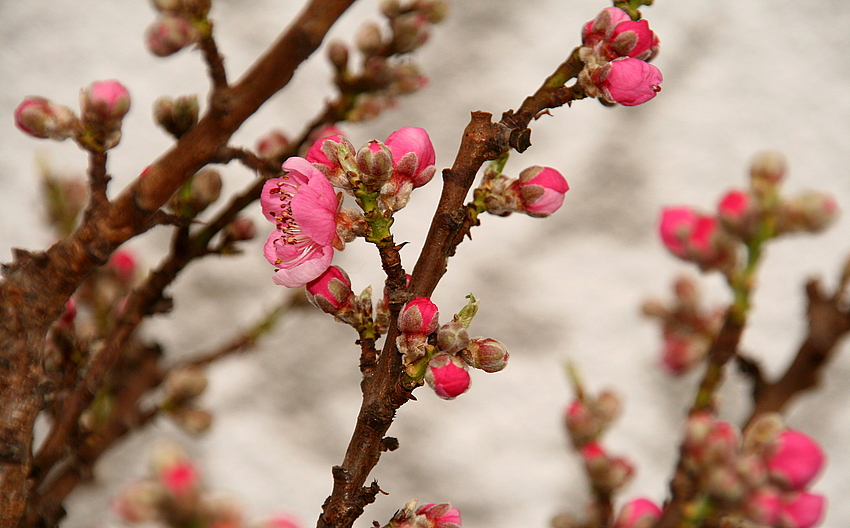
(829, 322)
(37, 285)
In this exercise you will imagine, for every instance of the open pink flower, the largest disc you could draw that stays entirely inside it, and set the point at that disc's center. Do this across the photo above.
(441, 515)
(413, 154)
(303, 206)
(629, 81)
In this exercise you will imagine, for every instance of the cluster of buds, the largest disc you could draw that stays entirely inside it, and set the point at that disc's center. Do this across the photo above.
(306, 210)
(103, 106)
(383, 77)
(181, 389)
(616, 51)
(745, 217)
(687, 329)
(442, 355)
(762, 475)
(175, 496)
(426, 516)
(179, 23)
(539, 191)
(586, 419)
(176, 115)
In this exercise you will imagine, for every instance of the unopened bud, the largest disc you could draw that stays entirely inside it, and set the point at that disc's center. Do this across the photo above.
(43, 119)
(419, 316)
(139, 501)
(802, 510)
(169, 34)
(375, 162)
(811, 212)
(206, 189)
(368, 38)
(192, 419)
(447, 375)
(410, 31)
(104, 101)
(241, 228)
(176, 115)
(273, 145)
(486, 354)
(639, 513)
(434, 11)
(331, 291)
(452, 338)
(184, 383)
(796, 460)
(767, 170)
(338, 55)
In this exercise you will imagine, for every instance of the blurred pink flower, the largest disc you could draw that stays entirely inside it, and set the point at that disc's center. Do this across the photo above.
(802, 510)
(105, 100)
(796, 460)
(639, 512)
(303, 206)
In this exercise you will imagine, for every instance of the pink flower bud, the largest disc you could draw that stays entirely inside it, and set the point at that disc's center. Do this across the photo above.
(139, 501)
(762, 506)
(633, 39)
(368, 38)
(66, 320)
(123, 262)
(639, 513)
(541, 190)
(486, 354)
(43, 119)
(796, 459)
(413, 155)
(598, 28)
(738, 213)
(767, 169)
(180, 478)
(682, 352)
(802, 510)
(628, 81)
(273, 145)
(331, 291)
(447, 375)
(419, 316)
(582, 424)
(169, 34)
(696, 237)
(105, 101)
(440, 515)
(605, 471)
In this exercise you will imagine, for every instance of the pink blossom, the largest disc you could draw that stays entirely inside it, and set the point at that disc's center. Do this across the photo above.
(796, 460)
(413, 155)
(802, 510)
(419, 316)
(629, 81)
(447, 375)
(330, 291)
(675, 227)
(303, 206)
(639, 512)
(733, 206)
(179, 478)
(105, 100)
(441, 515)
(681, 352)
(541, 190)
(282, 520)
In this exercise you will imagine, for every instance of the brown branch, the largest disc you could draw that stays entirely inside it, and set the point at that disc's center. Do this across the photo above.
(829, 322)
(36, 286)
(383, 390)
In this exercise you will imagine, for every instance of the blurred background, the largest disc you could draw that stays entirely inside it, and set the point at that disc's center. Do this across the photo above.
(739, 77)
